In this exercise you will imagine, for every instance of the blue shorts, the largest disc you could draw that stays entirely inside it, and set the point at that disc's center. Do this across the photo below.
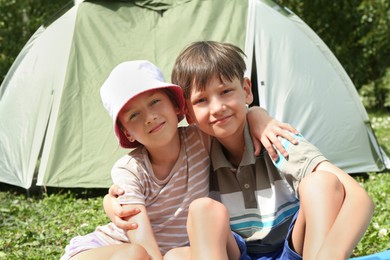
(284, 253)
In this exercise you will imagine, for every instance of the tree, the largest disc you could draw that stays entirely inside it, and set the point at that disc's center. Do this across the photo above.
(18, 21)
(357, 33)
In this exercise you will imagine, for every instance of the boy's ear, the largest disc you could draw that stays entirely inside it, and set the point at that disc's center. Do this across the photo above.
(247, 86)
(189, 118)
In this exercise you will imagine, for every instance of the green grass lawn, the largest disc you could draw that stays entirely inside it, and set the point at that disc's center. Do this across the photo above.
(39, 227)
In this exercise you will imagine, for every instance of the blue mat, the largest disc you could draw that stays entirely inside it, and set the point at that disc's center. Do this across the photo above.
(385, 255)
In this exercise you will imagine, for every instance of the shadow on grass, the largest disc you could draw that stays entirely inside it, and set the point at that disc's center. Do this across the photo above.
(38, 191)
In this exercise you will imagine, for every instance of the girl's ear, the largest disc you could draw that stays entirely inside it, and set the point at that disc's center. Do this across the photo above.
(247, 86)
(128, 136)
(178, 111)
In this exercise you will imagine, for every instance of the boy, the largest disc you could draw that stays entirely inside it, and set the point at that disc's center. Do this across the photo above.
(302, 206)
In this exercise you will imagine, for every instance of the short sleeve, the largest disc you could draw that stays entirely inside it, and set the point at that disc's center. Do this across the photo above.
(301, 161)
(126, 173)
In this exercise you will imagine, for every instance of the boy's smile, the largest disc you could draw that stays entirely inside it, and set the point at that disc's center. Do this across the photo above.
(221, 121)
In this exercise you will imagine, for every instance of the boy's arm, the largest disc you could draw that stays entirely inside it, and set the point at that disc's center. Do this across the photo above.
(354, 216)
(265, 131)
(116, 212)
(143, 235)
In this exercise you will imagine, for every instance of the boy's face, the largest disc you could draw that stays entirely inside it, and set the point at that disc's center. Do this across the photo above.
(220, 109)
(150, 118)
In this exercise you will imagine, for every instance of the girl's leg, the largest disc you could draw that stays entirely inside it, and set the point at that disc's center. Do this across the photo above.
(114, 252)
(209, 231)
(321, 197)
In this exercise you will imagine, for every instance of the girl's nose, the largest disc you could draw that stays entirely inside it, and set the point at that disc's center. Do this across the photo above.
(150, 117)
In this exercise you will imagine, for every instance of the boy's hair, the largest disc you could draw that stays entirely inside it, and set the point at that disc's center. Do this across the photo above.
(202, 60)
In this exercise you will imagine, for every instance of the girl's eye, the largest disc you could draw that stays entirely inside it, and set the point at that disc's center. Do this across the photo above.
(154, 101)
(133, 115)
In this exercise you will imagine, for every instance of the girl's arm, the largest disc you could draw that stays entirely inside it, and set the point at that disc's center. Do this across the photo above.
(143, 235)
(265, 131)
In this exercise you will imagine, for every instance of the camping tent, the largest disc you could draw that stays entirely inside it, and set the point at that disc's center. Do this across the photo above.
(52, 119)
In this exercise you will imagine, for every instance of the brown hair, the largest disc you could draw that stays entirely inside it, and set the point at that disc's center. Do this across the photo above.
(202, 60)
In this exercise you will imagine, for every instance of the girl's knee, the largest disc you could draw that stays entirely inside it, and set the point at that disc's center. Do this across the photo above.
(130, 251)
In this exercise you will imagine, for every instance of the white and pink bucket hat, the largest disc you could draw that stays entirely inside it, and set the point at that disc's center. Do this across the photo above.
(129, 79)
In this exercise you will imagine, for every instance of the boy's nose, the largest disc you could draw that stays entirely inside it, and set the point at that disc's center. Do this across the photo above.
(216, 105)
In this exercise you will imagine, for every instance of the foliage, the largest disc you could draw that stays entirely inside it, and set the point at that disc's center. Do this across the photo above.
(376, 94)
(18, 21)
(377, 237)
(40, 228)
(357, 33)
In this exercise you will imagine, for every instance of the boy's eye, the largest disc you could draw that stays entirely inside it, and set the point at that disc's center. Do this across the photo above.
(225, 91)
(199, 100)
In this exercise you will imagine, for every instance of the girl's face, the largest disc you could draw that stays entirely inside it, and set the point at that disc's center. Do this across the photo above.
(150, 118)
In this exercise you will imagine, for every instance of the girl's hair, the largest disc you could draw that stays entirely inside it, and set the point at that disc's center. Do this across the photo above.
(200, 61)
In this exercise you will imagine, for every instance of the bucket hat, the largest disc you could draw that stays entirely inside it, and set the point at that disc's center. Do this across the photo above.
(126, 81)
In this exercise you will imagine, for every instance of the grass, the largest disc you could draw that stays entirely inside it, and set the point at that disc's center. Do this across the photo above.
(39, 227)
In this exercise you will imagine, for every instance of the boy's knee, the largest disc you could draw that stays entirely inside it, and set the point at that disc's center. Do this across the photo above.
(203, 204)
(321, 183)
(207, 206)
(178, 253)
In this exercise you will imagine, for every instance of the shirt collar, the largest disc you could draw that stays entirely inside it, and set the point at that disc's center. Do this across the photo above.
(219, 160)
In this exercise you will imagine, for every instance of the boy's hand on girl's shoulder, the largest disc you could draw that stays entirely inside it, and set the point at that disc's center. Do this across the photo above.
(116, 212)
(270, 140)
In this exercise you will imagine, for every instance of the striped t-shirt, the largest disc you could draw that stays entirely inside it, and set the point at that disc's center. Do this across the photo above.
(261, 198)
(166, 201)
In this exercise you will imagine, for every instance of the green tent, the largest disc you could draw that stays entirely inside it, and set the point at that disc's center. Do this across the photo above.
(52, 119)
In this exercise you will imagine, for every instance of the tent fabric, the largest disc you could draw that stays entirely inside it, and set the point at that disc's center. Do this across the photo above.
(327, 93)
(26, 100)
(50, 107)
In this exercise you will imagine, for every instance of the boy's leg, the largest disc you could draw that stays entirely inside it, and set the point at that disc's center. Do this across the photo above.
(209, 231)
(178, 253)
(321, 197)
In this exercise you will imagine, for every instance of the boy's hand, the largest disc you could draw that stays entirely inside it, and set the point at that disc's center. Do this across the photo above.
(265, 131)
(116, 212)
(270, 140)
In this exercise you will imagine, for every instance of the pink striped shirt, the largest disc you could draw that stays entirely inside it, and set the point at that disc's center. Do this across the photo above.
(167, 200)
